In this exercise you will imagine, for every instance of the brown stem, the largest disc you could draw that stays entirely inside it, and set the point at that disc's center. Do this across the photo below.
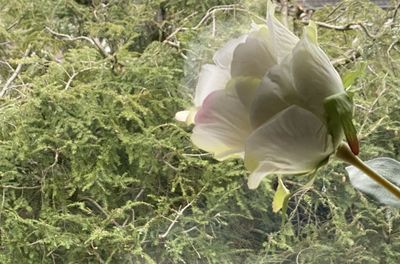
(344, 153)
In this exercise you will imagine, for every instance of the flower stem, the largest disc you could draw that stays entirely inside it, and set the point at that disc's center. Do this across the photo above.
(344, 153)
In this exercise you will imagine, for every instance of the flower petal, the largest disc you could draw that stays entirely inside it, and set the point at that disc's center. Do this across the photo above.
(222, 125)
(294, 141)
(282, 39)
(182, 115)
(186, 116)
(253, 57)
(211, 78)
(274, 94)
(244, 88)
(267, 103)
(223, 56)
(314, 76)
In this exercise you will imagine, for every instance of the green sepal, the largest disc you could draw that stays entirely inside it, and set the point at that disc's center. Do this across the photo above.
(304, 188)
(311, 32)
(281, 194)
(339, 111)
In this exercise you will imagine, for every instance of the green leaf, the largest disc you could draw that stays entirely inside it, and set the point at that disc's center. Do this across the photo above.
(351, 76)
(387, 168)
(281, 195)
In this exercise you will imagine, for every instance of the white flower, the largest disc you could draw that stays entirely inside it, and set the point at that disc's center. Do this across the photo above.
(251, 54)
(272, 99)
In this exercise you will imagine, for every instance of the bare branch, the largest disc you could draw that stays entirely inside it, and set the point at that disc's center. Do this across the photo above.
(56, 155)
(2, 203)
(184, 21)
(210, 14)
(220, 8)
(19, 187)
(347, 58)
(93, 41)
(391, 47)
(180, 213)
(15, 74)
(395, 12)
(68, 37)
(98, 206)
(350, 26)
(71, 77)
(98, 45)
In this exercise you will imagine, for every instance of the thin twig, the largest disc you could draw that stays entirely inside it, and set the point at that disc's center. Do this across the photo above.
(347, 58)
(215, 9)
(337, 7)
(391, 47)
(179, 214)
(72, 77)
(184, 21)
(210, 13)
(2, 203)
(98, 45)
(93, 41)
(19, 187)
(350, 26)
(15, 74)
(372, 109)
(68, 37)
(56, 155)
(395, 13)
(101, 209)
(13, 24)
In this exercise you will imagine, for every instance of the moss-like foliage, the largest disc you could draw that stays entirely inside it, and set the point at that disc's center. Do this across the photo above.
(94, 169)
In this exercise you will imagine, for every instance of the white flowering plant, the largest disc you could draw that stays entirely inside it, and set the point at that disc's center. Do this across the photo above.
(277, 102)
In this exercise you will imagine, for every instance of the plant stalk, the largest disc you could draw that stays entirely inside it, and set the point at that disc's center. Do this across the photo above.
(344, 153)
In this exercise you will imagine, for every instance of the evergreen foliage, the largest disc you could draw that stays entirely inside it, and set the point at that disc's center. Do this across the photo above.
(94, 169)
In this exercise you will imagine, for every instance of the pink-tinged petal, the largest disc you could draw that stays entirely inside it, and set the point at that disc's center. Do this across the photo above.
(294, 141)
(221, 125)
(253, 57)
(211, 78)
(223, 57)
